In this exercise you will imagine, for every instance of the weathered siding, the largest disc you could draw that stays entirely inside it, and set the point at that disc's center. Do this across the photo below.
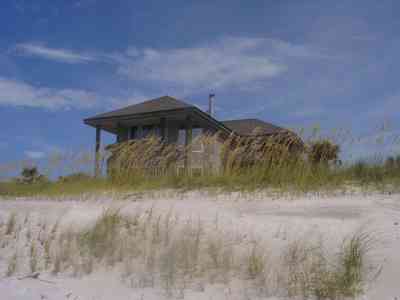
(204, 157)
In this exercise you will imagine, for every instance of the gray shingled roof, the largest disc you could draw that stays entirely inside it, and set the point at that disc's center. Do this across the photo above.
(164, 103)
(252, 127)
(167, 103)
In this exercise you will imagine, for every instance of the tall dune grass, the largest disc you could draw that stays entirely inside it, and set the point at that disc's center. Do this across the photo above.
(280, 162)
(149, 249)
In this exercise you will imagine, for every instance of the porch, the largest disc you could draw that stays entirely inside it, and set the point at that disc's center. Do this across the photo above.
(178, 127)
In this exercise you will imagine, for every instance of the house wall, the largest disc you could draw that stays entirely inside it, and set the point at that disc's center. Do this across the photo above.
(203, 157)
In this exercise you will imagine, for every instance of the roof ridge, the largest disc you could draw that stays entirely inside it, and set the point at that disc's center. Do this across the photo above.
(159, 99)
(245, 119)
(247, 126)
(174, 103)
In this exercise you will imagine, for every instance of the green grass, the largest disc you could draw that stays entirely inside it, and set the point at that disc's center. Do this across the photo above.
(98, 240)
(312, 273)
(50, 189)
(299, 178)
(248, 165)
(350, 273)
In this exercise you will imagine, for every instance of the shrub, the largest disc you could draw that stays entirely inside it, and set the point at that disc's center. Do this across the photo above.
(256, 263)
(392, 165)
(323, 151)
(351, 268)
(101, 238)
(309, 272)
(366, 172)
(31, 175)
(74, 177)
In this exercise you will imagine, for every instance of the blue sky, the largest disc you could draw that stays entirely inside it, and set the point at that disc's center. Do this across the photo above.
(294, 63)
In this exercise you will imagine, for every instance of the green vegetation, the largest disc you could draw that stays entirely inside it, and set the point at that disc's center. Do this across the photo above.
(171, 252)
(311, 273)
(56, 188)
(11, 223)
(323, 152)
(31, 175)
(104, 233)
(281, 163)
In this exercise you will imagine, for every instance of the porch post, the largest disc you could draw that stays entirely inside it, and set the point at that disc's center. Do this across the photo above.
(188, 142)
(139, 131)
(97, 153)
(118, 133)
(164, 130)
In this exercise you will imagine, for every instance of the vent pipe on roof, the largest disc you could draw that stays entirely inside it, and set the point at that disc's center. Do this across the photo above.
(211, 104)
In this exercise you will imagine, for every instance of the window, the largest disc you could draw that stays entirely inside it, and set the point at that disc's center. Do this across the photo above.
(133, 133)
(151, 130)
(197, 145)
(157, 131)
(147, 131)
(182, 137)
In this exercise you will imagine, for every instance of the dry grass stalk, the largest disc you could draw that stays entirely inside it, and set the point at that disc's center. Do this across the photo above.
(11, 223)
(280, 161)
(12, 264)
(153, 249)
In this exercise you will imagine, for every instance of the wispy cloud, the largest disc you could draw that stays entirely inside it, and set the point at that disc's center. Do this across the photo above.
(34, 154)
(55, 54)
(230, 61)
(280, 48)
(241, 62)
(18, 93)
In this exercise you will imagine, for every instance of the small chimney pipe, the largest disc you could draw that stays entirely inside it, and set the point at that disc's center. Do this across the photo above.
(211, 104)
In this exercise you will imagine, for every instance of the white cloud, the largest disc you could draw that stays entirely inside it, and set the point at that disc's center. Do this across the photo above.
(34, 154)
(286, 49)
(230, 61)
(17, 93)
(241, 63)
(60, 55)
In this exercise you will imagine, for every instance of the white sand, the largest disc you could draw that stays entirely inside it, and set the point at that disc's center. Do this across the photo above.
(258, 217)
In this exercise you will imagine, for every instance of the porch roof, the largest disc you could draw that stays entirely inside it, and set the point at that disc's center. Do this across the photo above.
(170, 107)
(165, 103)
(165, 106)
(248, 127)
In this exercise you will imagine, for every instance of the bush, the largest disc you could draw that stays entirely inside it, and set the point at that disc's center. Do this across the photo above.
(74, 177)
(351, 274)
(31, 175)
(323, 151)
(100, 239)
(392, 164)
(368, 172)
